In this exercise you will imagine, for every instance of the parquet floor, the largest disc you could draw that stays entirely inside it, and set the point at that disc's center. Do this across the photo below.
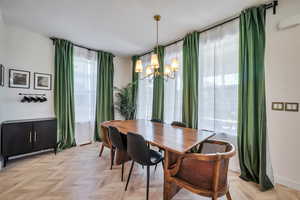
(79, 174)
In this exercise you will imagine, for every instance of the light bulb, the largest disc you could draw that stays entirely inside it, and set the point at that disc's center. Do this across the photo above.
(138, 66)
(148, 70)
(167, 70)
(154, 61)
(174, 65)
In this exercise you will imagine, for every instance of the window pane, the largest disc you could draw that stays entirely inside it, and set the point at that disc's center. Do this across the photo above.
(173, 87)
(145, 93)
(85, 74)
(218, 79)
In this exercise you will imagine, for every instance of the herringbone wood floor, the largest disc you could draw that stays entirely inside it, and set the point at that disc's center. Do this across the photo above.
(79, 174)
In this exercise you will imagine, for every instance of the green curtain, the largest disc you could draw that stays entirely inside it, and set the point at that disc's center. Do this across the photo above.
(104, 96)
(135, 85)
(252, 101)
(64, 93)
(190, 79)
(158, 87)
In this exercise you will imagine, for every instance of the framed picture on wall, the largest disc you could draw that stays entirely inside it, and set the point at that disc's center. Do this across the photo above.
(42, 81)
(19, 79)
(1, 75)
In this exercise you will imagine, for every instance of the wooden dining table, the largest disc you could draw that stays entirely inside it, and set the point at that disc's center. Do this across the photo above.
(175, 141)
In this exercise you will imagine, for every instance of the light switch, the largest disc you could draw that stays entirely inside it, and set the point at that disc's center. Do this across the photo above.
(278, 106)
(291, 107)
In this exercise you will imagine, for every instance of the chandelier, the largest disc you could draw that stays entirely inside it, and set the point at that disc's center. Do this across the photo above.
(152, 70)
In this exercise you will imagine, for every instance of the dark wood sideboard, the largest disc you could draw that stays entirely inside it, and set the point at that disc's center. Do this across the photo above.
(26, 136)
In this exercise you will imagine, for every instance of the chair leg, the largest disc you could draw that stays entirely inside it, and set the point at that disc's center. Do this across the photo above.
(148, 174)
(101, 150)
(228, 196)
(112, 157)
(5, 159)
(122, 172)
(129, 175)
(162, 162)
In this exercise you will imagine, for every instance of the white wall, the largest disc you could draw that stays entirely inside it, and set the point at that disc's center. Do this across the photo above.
(2, 39)
(122, 75)
(283, 84)
(31, 52)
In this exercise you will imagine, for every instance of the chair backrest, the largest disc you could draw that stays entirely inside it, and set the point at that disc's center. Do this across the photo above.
(137, 148)
(207, 172)
(156, 120)
(179, 124)
(116, 138)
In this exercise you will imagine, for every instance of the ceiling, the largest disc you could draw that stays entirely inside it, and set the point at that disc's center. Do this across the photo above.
(123, 27)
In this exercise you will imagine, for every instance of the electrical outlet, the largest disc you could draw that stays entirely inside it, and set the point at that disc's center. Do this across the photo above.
(278, 106)
(291, 107)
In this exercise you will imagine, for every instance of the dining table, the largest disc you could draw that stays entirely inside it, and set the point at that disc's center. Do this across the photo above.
(174, 140)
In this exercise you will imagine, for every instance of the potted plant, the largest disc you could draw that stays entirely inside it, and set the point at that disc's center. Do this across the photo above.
(124, 104)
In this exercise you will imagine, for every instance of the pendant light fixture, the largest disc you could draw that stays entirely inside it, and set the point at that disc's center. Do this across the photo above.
(152, 70)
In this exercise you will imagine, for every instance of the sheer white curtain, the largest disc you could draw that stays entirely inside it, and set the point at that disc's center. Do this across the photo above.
(145, 93)
(218, 79)
(173, 87)
(85, 75)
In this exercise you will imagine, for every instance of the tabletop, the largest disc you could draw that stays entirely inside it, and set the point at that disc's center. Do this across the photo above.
(171, 138)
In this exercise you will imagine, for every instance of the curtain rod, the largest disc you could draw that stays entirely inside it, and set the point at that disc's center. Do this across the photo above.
(273, 5)
(80, 46)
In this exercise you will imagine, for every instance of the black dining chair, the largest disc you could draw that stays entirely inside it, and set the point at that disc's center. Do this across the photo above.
(119, 142)
(157, 121)
(179, 124)
(139, 152)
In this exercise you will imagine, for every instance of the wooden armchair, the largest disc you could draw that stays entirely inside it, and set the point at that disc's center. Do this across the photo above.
(204, 173)
(106, 143)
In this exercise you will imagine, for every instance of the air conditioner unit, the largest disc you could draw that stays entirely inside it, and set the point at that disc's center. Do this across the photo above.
(289, 22)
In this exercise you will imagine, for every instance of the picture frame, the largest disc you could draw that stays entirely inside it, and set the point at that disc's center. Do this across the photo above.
(42, 81)
(2, 72)
(19, 79)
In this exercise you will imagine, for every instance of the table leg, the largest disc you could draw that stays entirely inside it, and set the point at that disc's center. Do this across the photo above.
(170, 188)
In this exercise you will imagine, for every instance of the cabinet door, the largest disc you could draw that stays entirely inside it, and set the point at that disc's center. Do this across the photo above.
(16, 138)
(44, 135)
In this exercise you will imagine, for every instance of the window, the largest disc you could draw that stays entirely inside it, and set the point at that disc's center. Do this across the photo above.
(85, 75)
(218, 79)
(145, 93)
(173, 87)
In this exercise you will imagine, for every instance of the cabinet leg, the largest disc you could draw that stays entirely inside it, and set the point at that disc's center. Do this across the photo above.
(5, 159)
(55, 150)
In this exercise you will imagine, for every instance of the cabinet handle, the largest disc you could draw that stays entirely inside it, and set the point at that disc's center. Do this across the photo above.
(35, 136)
(30, 137)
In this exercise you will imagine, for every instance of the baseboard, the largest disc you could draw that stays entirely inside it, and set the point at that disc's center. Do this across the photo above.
(278, 180)
(85, 143)
(287, 182)
(235, 169)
